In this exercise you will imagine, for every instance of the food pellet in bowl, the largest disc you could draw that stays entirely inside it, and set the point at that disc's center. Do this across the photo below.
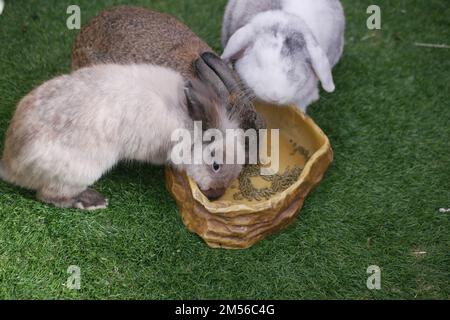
(300, 150)
(279, 183)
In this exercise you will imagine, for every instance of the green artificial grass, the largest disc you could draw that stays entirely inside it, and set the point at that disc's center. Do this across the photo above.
(388, 122)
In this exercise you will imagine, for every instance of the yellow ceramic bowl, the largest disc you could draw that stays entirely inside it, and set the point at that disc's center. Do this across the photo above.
(233, 224)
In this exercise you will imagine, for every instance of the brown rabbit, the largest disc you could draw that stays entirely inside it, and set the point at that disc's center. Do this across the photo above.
(137, 35)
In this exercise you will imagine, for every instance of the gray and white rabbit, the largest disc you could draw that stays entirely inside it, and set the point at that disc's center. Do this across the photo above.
(283, 48)
(72, 129)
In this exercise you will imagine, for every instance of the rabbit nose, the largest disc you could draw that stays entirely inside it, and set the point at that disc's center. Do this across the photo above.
(214, 194)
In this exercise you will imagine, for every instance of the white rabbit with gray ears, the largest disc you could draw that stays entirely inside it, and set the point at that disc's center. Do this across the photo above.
(282, 48)
(69, 131)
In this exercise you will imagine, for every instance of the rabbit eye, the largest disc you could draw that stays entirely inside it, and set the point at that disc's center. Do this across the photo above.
(216, 167)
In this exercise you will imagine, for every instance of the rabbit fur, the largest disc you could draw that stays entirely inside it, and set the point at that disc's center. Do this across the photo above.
(283, 48)
(69, 131)
(126, 34)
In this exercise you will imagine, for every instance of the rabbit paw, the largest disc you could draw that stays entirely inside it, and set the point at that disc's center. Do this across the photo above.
(90, 200)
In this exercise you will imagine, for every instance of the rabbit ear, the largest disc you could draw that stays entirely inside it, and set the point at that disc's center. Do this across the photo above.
(237, 44)
(320, 64)
(226, 75)
(208, 75)
(201, 105)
